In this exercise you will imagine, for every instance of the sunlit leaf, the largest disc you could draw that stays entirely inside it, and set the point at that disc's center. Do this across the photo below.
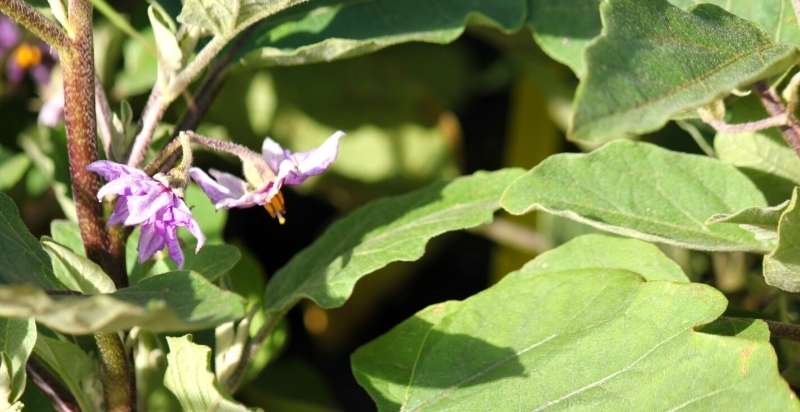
(640, 190)
(189, 377)
(654, 60)
(516, 345)
(17, 337)
(782, 266)
(77, 272)
(381, 232)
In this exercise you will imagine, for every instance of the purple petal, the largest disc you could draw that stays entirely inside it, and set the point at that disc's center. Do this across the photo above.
(120, 213)
(272, 153)
(183, 217)
(52, 112)
(174, 247)
(112, 170)
(236, 186)
(142, 208)
(14, 71)
(151, 241)
(40, 74)
(314, 162)
(9, 33)
(213, 189)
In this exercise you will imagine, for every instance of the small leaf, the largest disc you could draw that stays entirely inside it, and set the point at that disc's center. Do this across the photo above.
(75, 368)
(75, 271)
(760, 154)
(762, 222)
(176, 301)
(381, 232)
(225, 18)
(170, 56)
(212, 261)
(607, 252)
(667, 199)
(59, 10)
(654, 61)
(319, 31)
(22, 259)
(782, 266)
(67, 233)
(189, 377)
(12, 168)
(17, 337)
(516, 345)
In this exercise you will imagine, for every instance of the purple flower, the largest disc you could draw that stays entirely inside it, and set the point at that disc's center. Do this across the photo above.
(36, 59)
(52, 112)
(10, 34)
(149, 202)
(228, 191)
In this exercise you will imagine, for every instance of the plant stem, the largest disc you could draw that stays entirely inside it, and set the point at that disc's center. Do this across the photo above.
(118, 376)
(36, 22)
(251, 349)
(774, 106)
(784, 330)
(62, 400)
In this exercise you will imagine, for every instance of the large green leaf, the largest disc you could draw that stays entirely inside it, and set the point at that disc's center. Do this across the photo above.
(75, 368)
(774, 17)
(654, 60)
(190, 378)
(327, 30)
(782, 266)
(176, 301)
(643, 191)
(607, 252)
(577, 339)
(17, 337)
(22, 259)
(565, 43)
(384, 231)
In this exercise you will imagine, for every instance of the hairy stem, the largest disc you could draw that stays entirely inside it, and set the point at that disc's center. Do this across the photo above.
(118, 382)
(62, 400)
(36, 22)
(774, 106)
(104, 118)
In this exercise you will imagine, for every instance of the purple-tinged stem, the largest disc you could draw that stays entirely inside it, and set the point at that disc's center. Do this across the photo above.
(774, 106)
(36, 22)
(62, 400)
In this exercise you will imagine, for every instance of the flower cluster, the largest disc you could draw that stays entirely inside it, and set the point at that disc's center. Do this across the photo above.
(156, 203)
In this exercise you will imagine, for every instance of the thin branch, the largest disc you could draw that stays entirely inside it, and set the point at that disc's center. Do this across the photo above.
(748, 127)
(119, 385)
(509, 233)
(62, 400)
(251, 349)
(784, 330)
(36, 22)
(774, 106)
(695, 134)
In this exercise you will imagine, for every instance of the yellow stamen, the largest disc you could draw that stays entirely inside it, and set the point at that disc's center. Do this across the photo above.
(277, 208)
(26, 55)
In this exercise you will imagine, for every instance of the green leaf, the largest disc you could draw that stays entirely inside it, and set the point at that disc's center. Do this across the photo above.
(75, 368)
(212, 261)
(654, 61)
(384, 231)
(565, 43)
(762, 153)
(189, 377)
(762, 222)
(67, 233)
(17, 337)
(211, 220)
(22, 259)
(782, 266)
(667, 199)
(775, 17)
(227, 17)
(321, 31)
(172, 302)
(607, 252)
(753, 329)
(170, 56)
(577, 339)
(75, 271)
(12, 168)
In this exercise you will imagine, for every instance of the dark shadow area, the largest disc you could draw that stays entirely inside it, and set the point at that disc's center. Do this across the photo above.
(467, 360)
